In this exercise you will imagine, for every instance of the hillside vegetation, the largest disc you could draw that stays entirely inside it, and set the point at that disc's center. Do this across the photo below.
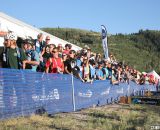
(139, 50)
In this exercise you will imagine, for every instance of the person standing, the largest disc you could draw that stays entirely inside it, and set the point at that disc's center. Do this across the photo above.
(32, 61)
(13, 57)
(55, 63)
(39, 44)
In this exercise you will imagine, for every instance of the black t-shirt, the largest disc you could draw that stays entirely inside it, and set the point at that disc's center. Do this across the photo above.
(46, 56)
(71, 64)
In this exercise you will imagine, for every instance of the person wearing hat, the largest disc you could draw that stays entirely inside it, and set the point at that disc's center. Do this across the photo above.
(33, 60)
(13, 57)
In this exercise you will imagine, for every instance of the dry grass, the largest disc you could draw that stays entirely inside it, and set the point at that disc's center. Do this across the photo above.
(110, 117)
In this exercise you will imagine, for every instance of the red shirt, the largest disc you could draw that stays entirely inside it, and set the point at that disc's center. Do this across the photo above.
(54, 64)
(66, 51)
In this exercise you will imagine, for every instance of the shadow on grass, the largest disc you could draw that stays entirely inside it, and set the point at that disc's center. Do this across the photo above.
(104, 116)
(58, 128)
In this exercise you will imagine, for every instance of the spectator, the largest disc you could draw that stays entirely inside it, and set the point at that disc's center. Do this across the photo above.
(92, 70)
(86, 70)
(88, 53)
(46, 54)
(60, 50)
(55, 64)
(112, 59)
(64, 57)
(70, 63)
(33, 60)
(47, 41)
(25, 46)
(106, 69)
(99, 72)
(13, 57)
(114, 77)
(39, 44)
(79, 62)
(67, 48)
(98, 58)
(51, 47)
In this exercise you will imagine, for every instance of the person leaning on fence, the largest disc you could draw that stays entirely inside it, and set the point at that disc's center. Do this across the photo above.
(33, 60)
(92, 66)
(86, 70)
(13, 57)
(45, 56)
(79, 61)
(114, 77)
(99, 73)
(107, 72)
(55, 63)
(70, 65)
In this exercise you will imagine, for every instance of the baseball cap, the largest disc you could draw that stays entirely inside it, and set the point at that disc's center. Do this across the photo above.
(11, 36)
(29, 41)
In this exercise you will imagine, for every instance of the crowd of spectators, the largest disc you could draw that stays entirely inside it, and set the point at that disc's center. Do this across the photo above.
(43, 56)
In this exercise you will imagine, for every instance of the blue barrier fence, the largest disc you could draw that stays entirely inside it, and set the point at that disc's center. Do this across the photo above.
(23, 92)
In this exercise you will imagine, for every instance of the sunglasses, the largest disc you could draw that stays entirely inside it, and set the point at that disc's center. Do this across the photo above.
(47, 39)
(54, 51)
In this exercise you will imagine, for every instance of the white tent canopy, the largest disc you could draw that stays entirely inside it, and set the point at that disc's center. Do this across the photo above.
(24, 30)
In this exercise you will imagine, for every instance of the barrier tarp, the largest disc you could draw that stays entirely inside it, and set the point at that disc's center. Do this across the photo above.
(23, 92)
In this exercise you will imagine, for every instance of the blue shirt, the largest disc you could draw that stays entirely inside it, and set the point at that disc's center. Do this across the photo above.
(33, 56)
(39, 46)
(107, 72)
(79, 62)
(99, 73)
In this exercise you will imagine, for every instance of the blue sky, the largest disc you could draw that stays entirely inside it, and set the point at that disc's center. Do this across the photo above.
(119, 16)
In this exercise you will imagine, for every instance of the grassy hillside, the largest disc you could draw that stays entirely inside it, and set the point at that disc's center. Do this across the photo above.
(110, 117)
(140, 50)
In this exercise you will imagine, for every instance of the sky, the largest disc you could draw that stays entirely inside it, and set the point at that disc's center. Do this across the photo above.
(119, 16)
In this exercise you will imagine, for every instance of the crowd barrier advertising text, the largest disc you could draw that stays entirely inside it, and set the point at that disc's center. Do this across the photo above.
(23, 92)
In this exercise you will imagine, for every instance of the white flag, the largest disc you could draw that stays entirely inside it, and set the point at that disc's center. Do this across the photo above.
(104, 41)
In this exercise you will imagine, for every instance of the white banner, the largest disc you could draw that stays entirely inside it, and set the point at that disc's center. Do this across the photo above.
(104, 41)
